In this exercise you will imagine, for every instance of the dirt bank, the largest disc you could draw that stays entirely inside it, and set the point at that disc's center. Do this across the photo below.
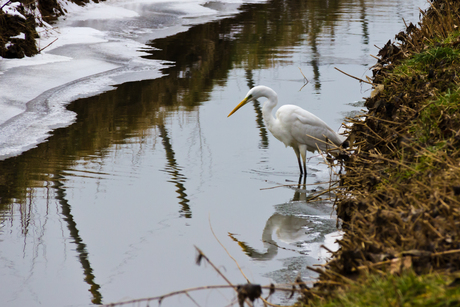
(19, 21)
(401, 199)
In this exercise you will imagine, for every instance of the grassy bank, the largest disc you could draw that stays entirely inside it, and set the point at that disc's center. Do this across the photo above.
(400, 202)
(407, 289)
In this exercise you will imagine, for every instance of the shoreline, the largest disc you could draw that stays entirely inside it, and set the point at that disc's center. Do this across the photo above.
(400, 202)
(111, 55)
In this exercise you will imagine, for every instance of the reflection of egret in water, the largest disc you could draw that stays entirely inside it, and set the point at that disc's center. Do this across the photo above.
(289, 229)
(294, 223)
(259, 118)
(174, 170)
(81, 247)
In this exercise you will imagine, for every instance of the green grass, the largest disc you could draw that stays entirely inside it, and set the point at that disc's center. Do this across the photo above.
(443, 53)
(445, 108)
(392, 290)
(421, 63)
(428, 133)
(451, 100)
(450, 39)
(435, 54)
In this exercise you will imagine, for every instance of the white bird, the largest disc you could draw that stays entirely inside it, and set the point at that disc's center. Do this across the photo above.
(294, 126)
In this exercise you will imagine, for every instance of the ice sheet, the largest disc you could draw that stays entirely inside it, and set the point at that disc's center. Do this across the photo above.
(86, 52)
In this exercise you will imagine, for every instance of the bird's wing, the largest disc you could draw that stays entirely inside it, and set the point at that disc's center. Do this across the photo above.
(306, 128)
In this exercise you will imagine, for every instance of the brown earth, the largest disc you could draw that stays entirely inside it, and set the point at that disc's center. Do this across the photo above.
(400, 202)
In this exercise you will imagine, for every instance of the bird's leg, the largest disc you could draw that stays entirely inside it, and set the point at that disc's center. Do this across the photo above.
(297, 153)
(303, 153)
(300, 184)
(303, 170)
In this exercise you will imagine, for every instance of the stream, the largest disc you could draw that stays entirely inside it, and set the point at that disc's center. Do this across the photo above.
(112, 174)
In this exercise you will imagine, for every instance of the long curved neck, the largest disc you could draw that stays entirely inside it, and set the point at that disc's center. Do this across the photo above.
(268, 106)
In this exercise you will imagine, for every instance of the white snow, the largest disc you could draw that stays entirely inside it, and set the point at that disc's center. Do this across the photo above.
(11, 8)
(101, 10)
(86, 52)
(20, 36)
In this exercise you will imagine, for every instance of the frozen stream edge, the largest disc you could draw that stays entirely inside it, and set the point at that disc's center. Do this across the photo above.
(98, 46)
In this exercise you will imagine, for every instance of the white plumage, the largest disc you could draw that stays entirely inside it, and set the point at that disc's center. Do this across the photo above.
(294, 126)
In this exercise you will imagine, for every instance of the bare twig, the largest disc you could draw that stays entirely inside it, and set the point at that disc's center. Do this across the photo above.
(280, 247)
(293, 185)
(405, 23)
(161, 297)
(270, 304)
(284, 288)
(359, 79)
(47, 45)
(304, 76)
(202, 255)
(191, 298)
(236, 262)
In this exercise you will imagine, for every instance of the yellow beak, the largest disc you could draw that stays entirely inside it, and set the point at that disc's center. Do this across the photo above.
(242, 103)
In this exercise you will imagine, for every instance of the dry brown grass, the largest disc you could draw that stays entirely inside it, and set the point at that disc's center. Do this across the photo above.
(400, 201)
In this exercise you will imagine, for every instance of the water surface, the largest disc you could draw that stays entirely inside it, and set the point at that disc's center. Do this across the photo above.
(111, 207)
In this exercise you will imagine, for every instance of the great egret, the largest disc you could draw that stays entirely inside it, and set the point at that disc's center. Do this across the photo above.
(294, 126)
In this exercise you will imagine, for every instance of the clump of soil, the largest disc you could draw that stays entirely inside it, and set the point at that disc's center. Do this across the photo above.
(11, 27)
(400, 202)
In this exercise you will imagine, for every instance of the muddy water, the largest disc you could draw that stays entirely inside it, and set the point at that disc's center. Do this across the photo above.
(112, 207)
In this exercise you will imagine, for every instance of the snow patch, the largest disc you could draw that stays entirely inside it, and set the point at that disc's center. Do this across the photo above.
(88, 51)
(11, 8)
(20, 36)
